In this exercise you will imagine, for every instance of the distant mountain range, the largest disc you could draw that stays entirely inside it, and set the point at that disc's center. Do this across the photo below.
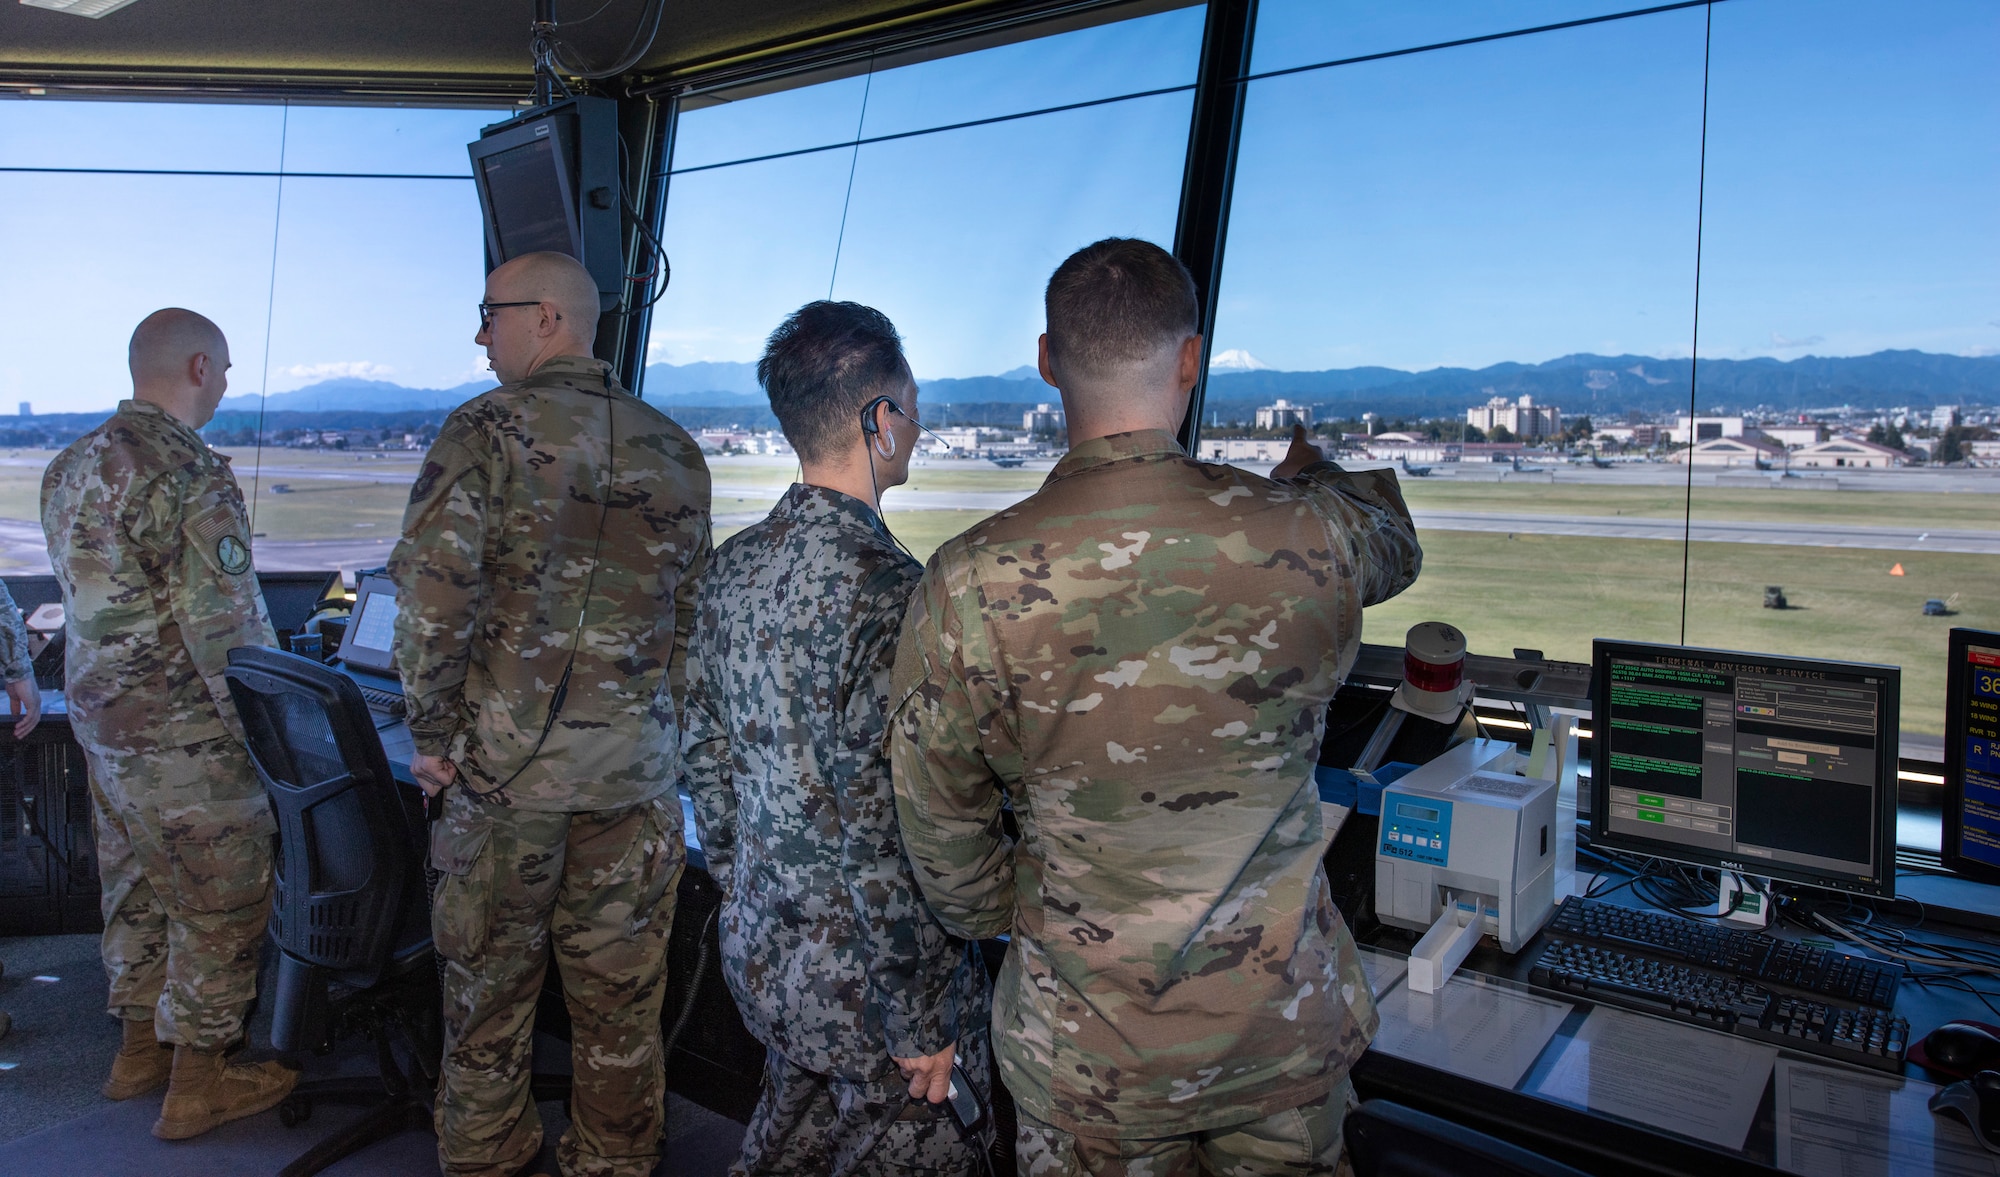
(1578, 384)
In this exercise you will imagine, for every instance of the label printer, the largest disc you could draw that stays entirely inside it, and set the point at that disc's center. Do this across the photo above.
(1467, 849)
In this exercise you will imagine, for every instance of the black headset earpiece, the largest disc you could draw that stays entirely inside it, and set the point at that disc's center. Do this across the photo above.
(868, 425)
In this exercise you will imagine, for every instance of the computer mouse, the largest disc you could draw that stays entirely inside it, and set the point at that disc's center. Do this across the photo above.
(1977, 1102)
(1962, 1048)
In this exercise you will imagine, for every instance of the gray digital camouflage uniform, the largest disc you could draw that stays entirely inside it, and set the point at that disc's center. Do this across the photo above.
(832, 956)
(16, 663)
(1140, 658)
(151, 545)
(575, 849)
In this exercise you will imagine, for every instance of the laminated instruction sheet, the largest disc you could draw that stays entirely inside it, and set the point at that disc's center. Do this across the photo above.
(1833, 1122)
(1684, 1079)
(1471, 1027)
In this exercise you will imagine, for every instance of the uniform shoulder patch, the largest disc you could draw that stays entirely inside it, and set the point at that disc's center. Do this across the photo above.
(426, 482)
(233, 555)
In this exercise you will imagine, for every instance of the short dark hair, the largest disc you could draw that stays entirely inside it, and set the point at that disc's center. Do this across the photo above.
(822, 364)
(1115, 302)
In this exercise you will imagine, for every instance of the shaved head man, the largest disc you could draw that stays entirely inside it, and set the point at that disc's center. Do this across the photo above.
(151, 544)
(545, 586)
(544, 306)
(180, 362)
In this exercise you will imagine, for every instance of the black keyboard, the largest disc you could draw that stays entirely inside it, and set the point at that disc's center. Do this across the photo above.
(389, 703)
(1720, 1001)
(1749, 955)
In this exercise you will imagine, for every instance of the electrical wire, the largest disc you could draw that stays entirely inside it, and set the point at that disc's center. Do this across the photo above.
(644, 33)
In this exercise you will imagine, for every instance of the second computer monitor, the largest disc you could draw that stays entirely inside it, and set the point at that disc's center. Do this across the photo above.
(1784, 768)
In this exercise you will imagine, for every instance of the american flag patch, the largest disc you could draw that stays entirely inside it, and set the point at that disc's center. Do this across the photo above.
(215, 524)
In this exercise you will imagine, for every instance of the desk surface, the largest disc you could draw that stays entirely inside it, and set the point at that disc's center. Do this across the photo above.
(1616, 1091)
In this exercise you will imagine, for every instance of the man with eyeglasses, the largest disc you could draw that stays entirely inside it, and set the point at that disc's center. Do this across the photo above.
(861, 998)
(545, 586)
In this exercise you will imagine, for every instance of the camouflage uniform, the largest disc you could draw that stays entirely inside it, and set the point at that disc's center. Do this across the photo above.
(829, 950)
(151, 544)
(1139, 657)
(16, 663)
(580, 844)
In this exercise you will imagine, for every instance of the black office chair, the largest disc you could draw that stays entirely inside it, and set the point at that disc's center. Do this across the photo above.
(1389, 1140)
(351, 913)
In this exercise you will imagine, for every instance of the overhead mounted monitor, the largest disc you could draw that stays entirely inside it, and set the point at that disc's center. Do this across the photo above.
(1784, 768)
(548, 181)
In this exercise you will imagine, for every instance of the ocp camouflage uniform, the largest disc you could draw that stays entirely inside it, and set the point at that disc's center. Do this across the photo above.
(151, 545)
(1140, 658)
(833, 958)
(581, 841)
(16, 662)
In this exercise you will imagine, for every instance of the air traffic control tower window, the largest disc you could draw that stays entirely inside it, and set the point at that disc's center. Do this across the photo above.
(1484, 244)
(345, 238)
(942, 192)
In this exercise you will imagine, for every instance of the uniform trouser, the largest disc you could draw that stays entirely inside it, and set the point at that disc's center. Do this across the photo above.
(1300, 1140)
(184, 853)
(810, 1125)
(600, 886)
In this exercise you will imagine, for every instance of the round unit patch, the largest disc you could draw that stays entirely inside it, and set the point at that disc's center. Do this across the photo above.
(231, 553)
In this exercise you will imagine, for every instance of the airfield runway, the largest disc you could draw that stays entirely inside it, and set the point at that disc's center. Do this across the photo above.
(22, 546)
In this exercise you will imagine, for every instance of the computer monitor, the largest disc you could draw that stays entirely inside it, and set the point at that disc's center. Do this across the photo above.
(1971, 845)
(370, 641)
(548, 181)
(1784, 768)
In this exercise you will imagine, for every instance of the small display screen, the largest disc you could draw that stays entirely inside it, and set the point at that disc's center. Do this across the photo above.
(1979, 817)
(1415, 812)
(526, 200)
(375, 623)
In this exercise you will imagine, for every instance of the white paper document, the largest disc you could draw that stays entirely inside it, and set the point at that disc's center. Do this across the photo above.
(1684, 1079)
(1471, 1027)
(1383, 969)
(1839, 1123)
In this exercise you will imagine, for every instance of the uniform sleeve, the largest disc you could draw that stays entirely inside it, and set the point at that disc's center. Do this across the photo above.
(1367, 508)
(436, 568)
(216, 605)
(947, 796)
(15, 661)
(888, 906)
(707, 769)
(685, 595)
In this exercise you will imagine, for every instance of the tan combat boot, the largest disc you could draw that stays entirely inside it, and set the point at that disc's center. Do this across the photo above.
(209, 1091)
(142, 1064)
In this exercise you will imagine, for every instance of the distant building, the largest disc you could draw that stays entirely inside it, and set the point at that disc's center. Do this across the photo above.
(1043, 418)
(967, 438)
(1284, 415)
(1401, 447)
(1523, 418)
(27, 410)
(1643, 436)
(1731, 453)
(1246, 449)
(1942, 417)
(1690, 430)
(1491, 451)
(1850, 453)
(1794, 436)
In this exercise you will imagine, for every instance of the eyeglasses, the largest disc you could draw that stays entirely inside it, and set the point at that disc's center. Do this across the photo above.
(486, 310)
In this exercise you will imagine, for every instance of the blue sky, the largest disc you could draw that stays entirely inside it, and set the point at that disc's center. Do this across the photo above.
(1513, 200)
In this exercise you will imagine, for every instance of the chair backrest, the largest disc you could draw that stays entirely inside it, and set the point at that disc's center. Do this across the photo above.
(1389, 1140)
(350, 897)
